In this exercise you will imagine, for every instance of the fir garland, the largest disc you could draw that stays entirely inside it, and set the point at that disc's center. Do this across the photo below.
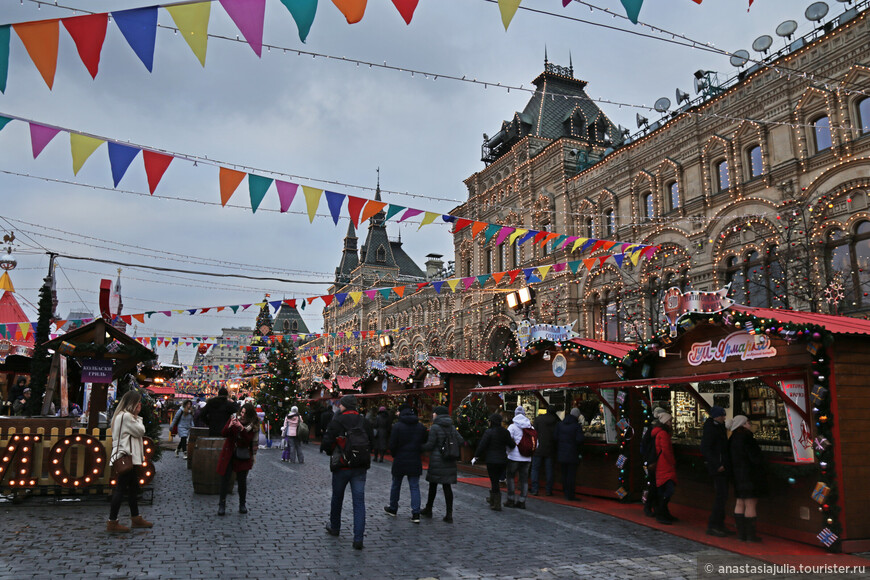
(471, 418)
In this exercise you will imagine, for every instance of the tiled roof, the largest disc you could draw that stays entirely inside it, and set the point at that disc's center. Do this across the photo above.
(400, 373)
(345, 383)
(460, 366)
(407, 266)
(617, 349)
(834, 324)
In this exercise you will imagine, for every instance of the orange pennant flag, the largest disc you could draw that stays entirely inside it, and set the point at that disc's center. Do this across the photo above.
(230, 180)
(590, 263)
(477, 228)
(497, 276)
(399, 290)
(40, 39)
(140, 317)
(353, 10)
(371, 208)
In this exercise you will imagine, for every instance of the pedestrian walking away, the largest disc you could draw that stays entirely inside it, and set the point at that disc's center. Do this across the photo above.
(237, 456)
(217, 412)
(493, 450)
(569, 437)
(406, 447)
(442, 466)
(290, 430)
(714, 448)
(545, 425)
(382, 424)
(182, 422)
(128, 432)
(325, 420)
(348, 439)
(518, 463)
(648, 455)
(750, 479)
(666, 469)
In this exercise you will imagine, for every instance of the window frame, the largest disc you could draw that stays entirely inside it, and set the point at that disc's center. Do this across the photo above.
(750, 172)
(815, 125)
(717, 171)
(669, 188)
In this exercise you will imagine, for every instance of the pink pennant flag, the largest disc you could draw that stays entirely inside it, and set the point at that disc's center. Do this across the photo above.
(371, 294)
(503, 234)
(467, 282)
(248, 16)
(410, 213)
(286, 193)
(40, 136)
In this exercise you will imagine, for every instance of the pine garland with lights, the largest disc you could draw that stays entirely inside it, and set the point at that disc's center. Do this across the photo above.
(471, 418)
(565, 346)
(280, 389)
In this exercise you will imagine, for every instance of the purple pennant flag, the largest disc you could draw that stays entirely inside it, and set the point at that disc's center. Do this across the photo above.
(166, 312)
(569, 242)
(286, 193)
(371, 294)
(120, 157)
(248, 16)
(40, 135)
(467, 282)
(503, 234)
(410, 213)
(559, 267)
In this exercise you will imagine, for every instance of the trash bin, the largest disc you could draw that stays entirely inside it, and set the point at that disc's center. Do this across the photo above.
(206, 453)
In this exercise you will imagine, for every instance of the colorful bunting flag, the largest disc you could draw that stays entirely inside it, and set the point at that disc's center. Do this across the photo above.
(406, 9)
(81, 147)
(229, 181)
(120, 157)
(40, 136)
(515, 234)
(508, 8)
(453, 283)
(248, 16)
(40, 39)
(385, 292)
(477, 228)
(399, 290)
(428, 218)
(156, 165)
(356, 296)
(632, 9)
(312, 200)
(139, 27)
(467, 282)
(371, 209)
(542, 271)
(392, 210)
(5, 36)
(410, 213)
(334, 201)
(192, 23)
(353, 10)
(88, 32)
(257, 187)
(286, 193)
(437, 285)
(303, 12)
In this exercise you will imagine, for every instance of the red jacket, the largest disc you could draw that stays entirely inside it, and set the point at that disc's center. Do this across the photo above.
(666, 466)
(236, 435)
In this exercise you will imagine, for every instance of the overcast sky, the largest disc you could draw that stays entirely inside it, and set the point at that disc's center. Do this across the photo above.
(309, 119)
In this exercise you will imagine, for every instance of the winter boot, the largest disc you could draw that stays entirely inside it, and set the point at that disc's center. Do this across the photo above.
(510, 502)
(496, 501)
(426, 512)
(489, 498)
(448, 517)
(667, 513)
(114, 526)
(140, 522)
(740, 522)
(749, 526)
(222, 508)
(662, 512)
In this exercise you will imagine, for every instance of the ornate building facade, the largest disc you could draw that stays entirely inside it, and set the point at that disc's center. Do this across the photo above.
(761, 182)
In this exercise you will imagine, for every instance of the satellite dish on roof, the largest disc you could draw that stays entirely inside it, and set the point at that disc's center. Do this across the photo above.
(682, 97)
(762, 43)
(816, 11)
(662, 105)
(641, 121)
(786, 29)
(739, 58)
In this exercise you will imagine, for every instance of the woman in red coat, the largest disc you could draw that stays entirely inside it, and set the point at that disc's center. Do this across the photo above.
(666, 469)
(237, 455)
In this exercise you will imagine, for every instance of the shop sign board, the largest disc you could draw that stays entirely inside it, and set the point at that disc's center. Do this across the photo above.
(560, 365)
(746, 346)
(432, 380)
(528, 332)
(801, 435)
(376, 365)
(675, 303)
(97, 370)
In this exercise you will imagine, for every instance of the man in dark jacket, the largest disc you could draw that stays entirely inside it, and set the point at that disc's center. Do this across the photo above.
(406, 447)
(217, 412)
(348, 418)
(493, 449)
(545, 425)
(325, 419)
(714, 448)
(568, 437)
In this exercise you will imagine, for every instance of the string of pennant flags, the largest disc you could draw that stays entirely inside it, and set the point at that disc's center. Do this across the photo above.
(358, 209)
(138, 26)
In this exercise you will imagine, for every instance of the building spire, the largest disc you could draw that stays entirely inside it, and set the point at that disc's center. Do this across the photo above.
(545, 56)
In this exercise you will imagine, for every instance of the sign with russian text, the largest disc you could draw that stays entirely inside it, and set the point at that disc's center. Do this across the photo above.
(737, 344)
(801, 435)
(97, 370)
(675, 303)
(528, 333)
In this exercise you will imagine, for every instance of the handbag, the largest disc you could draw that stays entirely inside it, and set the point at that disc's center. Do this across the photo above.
(124, 463)
(242, 453)
(302, 431)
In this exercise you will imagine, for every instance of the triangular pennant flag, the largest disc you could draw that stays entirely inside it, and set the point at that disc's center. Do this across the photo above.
(88, 32)
(385, 292)
(453, 283)
(539, 237)
(461, 224)
(632, 9)
(371, 294)
(275, 304)
(340, 298)
(437, 285)
(392, 210)
(139, 27)
(477, 228)
(192, 23)
(508, 8)
(286, 193)
(312, 200)
(590, 263)
(503, 233)
(528, 272)
(483, 279)
(588, 244)
(560, 267)
(428, 218)
(552, 238)
(356, 296)
(40, 136)
(635, 256)
(566, 242)
(399, 290)
(155, 166)
(516, 233)
(421, 285)
(406, 9)
(127, 318)
(542, 271)
(617, 259)
(334, 201)
(248, 16)
(354, 207)
(597, 245)
(120, 157)
(139, 317)
(5, 36)
(649, 251)
(257, 187)
(491, 230)
(229, 181)
(602, 259)
(40, 39)
(371, 209)
(6, 283)
(578, 242)
(327, 299)
(234, 308)
(303, 12)
(467, 282)
(81, 147)
(574, 266)
(410, 213)
(606, 245)
(353, 10)
(529, 235)
(497, 276)
(513, 274)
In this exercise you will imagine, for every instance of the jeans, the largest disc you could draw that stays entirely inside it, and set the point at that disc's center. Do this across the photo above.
(496, 473)
(521, 468)
(395, 490)
(357, 480)
(569, 479)
(293, 452)
(129, 484)
(182, 444)
(720, 498)
(536, 473)
(241, 481)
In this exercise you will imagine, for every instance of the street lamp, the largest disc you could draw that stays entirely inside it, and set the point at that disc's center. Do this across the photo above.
(521, 300)
(386, 341)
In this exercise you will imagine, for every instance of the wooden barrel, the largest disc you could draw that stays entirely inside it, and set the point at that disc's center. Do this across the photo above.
(206, 453)
(191, 438)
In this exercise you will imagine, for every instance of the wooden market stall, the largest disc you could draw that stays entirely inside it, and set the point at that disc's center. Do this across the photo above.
(16, 350)
(456, 376)
(391, 386)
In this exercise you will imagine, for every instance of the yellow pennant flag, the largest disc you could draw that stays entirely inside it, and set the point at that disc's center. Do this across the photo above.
(260, 304)
(578, 243)
(312, 200)
(25, 328)
(635, 256)
(508, 8)
(428, 218)
(453, 283)
(356, 296)
(542, 270)
(192, 23)
(82, 146)
(517, 233)
(6, 283)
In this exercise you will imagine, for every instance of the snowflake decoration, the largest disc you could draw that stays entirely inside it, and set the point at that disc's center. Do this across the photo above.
(834, 292)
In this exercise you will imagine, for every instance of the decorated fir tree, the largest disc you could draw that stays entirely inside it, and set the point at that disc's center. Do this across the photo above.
(262, 328)
(279, 388)
(41, 361)
(471, 418)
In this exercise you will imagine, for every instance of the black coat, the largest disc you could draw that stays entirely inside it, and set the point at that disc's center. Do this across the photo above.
(216, 413)
(714, 446)
(340, 425)
(406, 444)
(568, 436)
(325, 418)
(383, 423)
(441, 470)
(747, 465)
(545, 425)
(494, 445)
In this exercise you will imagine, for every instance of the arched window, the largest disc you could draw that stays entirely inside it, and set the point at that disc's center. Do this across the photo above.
(610, 220)
(864, 115)
(754, 163)
(590, 228)
(849, 263)
(734, 276)
(822, 133)
(488, 265)
(722, 178)
(294, 325)
(673, 195)
(286, 325)
(611, 316)
(755, 280)
(648, 207)
(381, 254)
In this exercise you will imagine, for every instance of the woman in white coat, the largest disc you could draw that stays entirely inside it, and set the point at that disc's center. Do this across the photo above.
(293, 450)
(128, 432)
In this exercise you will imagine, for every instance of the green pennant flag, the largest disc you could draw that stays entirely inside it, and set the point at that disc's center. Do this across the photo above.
(385, 292)
(483, 278)
(4, 121)
(574, 265)
(490, 231)
(632, 9)
(235, 308)
(258, 186)
(392, 210)
(4, 56)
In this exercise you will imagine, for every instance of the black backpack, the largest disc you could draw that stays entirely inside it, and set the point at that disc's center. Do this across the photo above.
(354, 450)
(450, 446)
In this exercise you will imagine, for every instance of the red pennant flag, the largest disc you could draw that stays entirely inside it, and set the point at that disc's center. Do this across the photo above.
(602, 259)
(461, 223)
(539, 237)
(328, 298)
(127, 318)
(421, 285)
(477, 228)
(372, 208)
(40, 39)
(513, 274)
(290, 303)
(598, 244)
(139, 317)
(406, 8)
(311, 299)
(497, 276)
(399, 290)
(88, 32)
(155, 166)
(354, 207)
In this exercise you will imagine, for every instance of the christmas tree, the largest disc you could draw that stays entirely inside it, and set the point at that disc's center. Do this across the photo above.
(262, 328)
(279, 388)
(41, 361)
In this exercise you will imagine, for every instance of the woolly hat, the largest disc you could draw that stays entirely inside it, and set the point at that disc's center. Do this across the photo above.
(738, 421)
(348, 402)
(440, 410)
(664, 417)
(519, 411)
(495, 420)
(658, 411)
(382, 409)
(294, 409)
(575, 412)
(223, 392)
(716, 411)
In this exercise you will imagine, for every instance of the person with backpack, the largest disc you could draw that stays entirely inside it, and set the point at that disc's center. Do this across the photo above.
(406, 447)
(348, 440)
(383, 423)
(568, 437)
(648, 455)
(443, 445)
(493, 448)
(666, 469)
(544, 455)
(182, 422)
(714, 448)
(520, 458)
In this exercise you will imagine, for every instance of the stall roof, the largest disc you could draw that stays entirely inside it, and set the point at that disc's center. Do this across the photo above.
(11, 313)
(617, 349)
(457, 366)
(526, 387)
(345, 383)
(162, 390)
(834, 324)
(401, 393)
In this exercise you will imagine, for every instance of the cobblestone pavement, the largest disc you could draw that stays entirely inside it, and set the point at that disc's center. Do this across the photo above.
(283, 535)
